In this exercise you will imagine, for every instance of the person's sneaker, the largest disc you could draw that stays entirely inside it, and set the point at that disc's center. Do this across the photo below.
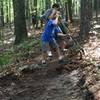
(43, 61)
(65, 50)
(61, 60)
(49, 54)
(44, 64)
(49, 58)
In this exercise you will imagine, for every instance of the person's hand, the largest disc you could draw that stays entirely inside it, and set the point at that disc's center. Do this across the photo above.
(61, 34)
(57, 13)
(52, 14)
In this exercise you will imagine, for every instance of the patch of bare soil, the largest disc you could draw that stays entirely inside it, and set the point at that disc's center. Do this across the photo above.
(54, 82)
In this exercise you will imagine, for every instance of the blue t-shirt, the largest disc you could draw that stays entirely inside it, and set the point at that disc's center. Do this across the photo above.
(48, 35)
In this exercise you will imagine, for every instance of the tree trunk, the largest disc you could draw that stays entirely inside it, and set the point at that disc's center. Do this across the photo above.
(66, 11)
(36, 13)
(7, 12)
(19, 21)
(70, 9)
(47, 4)
(86, 15)
(1, 13)
(27, 9)
(97, 9)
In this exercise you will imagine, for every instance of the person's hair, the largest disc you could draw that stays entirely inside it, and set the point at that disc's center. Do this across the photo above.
(55, 5)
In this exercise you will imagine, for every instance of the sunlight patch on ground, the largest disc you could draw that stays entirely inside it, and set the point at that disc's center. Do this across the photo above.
(97, 26)
(92, 50)
(9, 41)
(97, 51)
(93, 32)
(29, 34)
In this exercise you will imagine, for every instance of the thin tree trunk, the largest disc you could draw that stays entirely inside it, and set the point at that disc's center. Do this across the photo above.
(36, 13)
(70, 9)
(7, 12)
(97, 9)
(47, 4)
(66, 10)
(2, 14)
(27, 9)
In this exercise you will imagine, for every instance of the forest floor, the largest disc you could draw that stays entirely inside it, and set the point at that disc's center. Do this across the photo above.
(75, 80)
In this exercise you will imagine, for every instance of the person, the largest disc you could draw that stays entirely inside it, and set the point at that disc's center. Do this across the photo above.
(48, 37)
(59, 37)
(34, 20)
(48, 13)
(59, 34)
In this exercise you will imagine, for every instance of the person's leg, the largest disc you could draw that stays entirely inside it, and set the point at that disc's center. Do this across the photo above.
(61, 42)
(44, 51)
(60, 57)
(59, 37)
(52, 49)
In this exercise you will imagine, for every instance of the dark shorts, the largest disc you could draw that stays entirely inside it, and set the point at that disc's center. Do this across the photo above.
(48, 44)
(59, 39)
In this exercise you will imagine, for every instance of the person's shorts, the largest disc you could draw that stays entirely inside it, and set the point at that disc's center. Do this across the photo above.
(46, 45)
(59, 39)
(57, 30)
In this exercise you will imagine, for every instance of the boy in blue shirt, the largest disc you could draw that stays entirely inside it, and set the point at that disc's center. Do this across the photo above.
(59, 37)
(48, 37)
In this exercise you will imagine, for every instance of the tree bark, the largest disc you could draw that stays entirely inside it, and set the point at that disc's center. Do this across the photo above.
(47, 4)
(19, 21)
(86, 16)
(70, 9)
(2, 14)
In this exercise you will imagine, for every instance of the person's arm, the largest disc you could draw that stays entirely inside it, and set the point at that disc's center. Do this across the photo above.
(56, 21)
(52, 14)
(61, 34)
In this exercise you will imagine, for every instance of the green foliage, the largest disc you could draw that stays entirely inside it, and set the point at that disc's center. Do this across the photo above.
(19, 52)
(6, 57)
(30, 5)
(26, 45)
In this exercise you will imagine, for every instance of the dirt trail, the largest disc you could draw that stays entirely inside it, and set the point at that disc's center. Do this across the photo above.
(44, 84)
(48, 83)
